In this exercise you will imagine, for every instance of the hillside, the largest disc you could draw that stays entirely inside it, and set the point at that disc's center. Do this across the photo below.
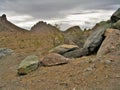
(41, 37)
(21, 40)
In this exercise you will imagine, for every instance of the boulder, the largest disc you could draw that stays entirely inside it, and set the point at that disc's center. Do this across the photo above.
(5, 51)
(117, 25)
(61, 49)
(97, 36)
(116, 16)
(53, 59)
(76, 53)
(29, 64)
(110, 42)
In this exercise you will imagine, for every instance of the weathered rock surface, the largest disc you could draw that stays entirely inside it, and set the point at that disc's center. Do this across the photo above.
(97, 36)
(111, 41)
(61, 49)
(29, 64)
(5, 51)
(54, 59)
(116, 16)
(76, 53)
(117, 25)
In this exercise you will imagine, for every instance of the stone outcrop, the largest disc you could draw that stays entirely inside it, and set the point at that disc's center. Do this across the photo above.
(30, 63)
(61, 49)
(112, 39)
(116, 16)
(3, 17)
(54, 59)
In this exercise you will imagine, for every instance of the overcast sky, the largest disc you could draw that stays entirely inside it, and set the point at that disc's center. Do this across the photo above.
(85, 13)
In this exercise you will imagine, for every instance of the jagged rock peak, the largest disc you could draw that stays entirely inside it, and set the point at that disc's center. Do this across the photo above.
(3, 17)
(39, 24)
(43, 26)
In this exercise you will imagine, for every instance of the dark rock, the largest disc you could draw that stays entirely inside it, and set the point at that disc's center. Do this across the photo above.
(117, 25)
(76, 53)
(116, 16)
(3, 18)
(95, 39)
(29, 64)
(5, 51)
(54, 59)
(61, 49)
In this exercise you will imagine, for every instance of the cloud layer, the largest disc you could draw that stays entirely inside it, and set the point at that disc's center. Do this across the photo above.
(84, 13)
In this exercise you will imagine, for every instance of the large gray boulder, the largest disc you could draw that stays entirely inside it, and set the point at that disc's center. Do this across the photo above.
(61, 49)
(94, 41)
(116, 16)
(5, 51)
(53, 59)
(29, 64)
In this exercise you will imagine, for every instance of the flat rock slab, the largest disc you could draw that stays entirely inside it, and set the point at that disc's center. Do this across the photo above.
(61, 49)
(29, 64)
(76, 53)
(54, 59)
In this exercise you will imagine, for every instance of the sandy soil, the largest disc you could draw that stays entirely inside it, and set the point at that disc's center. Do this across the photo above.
(85, 73)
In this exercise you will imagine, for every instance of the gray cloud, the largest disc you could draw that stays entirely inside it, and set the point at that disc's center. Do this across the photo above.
(50, 9)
